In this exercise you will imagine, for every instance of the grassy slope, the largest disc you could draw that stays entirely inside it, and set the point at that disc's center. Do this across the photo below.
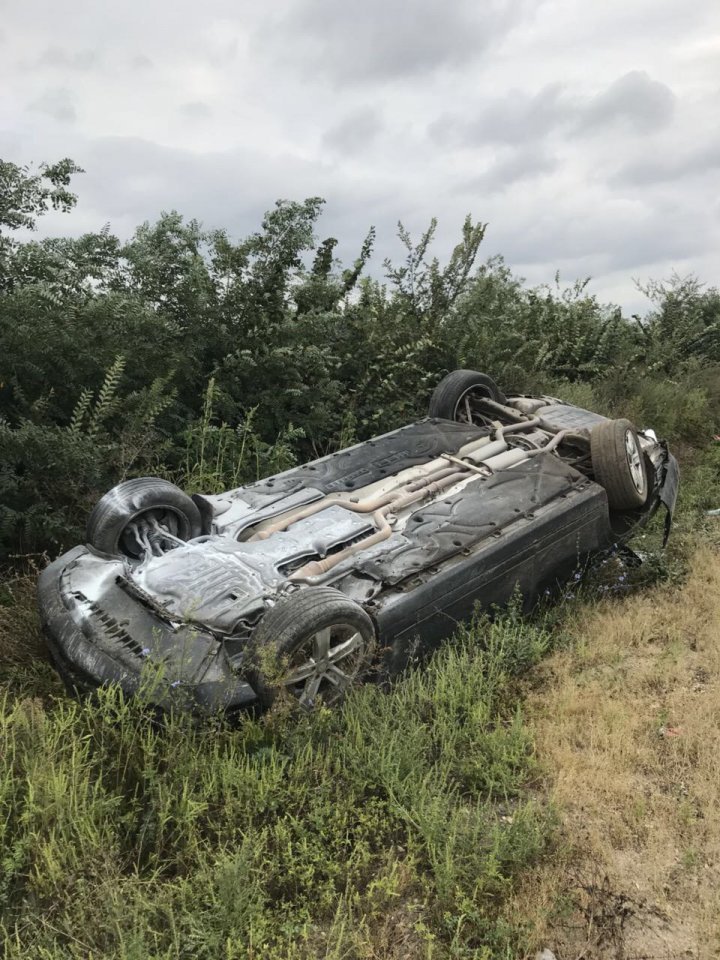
(435, 821)
(627, 722)
(394, 827)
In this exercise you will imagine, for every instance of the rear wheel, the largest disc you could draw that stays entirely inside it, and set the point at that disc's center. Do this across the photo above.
(454, 395)
(619, 464)
(314, 644)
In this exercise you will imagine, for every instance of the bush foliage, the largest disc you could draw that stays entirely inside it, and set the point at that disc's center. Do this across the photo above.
(107, 349)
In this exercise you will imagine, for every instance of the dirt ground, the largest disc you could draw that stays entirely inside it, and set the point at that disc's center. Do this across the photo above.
(627, 724)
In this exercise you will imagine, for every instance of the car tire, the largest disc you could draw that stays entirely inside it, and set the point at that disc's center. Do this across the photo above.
(108, 527)
(315, 644)
(451, 391)
(618, 463)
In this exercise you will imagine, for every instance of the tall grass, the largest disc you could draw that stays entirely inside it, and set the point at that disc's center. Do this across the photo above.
(220, 457)
(282, 837)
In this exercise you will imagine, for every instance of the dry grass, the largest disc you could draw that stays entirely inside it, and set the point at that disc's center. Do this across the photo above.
(627, 725)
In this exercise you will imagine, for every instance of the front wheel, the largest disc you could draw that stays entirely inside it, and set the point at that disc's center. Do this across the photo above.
(314, 644)
(619, 464)
(137, 516)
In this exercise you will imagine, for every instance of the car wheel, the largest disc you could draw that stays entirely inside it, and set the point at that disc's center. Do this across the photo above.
(619, 464)
(452, 397)
(140, 513)
(314, 644)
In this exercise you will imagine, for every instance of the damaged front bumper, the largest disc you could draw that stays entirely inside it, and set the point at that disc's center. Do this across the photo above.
(173, 665)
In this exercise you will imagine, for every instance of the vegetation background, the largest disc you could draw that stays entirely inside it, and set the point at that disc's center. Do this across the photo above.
(408, 824)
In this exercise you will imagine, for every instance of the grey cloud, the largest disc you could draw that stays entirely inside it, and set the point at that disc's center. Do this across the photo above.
(612, 238)
(223, 52)
(196, 110)
(659, 236)
(515, 117)
(635, 99)
(668, 167)
(354, 132)
(376, 40)
(135, 179)
(141, 62)
(516, 165)
(520, 117)
(57, 104)
(77, 60)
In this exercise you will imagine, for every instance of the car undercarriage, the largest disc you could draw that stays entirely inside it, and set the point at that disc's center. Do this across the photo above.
(399, 537)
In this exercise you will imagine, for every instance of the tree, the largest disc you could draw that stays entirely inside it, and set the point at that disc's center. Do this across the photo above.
(25, 196)
(682, 327)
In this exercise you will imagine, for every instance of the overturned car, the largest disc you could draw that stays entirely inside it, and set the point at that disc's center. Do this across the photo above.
(356, 562)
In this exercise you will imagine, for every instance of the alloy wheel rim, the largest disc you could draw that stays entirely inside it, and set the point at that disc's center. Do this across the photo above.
(329, 662)
(634, 459)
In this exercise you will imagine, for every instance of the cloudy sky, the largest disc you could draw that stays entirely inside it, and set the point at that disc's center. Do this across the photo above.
(587, 135)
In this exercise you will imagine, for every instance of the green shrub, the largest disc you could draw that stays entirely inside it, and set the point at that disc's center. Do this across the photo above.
(302, 354)
(677, 410)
